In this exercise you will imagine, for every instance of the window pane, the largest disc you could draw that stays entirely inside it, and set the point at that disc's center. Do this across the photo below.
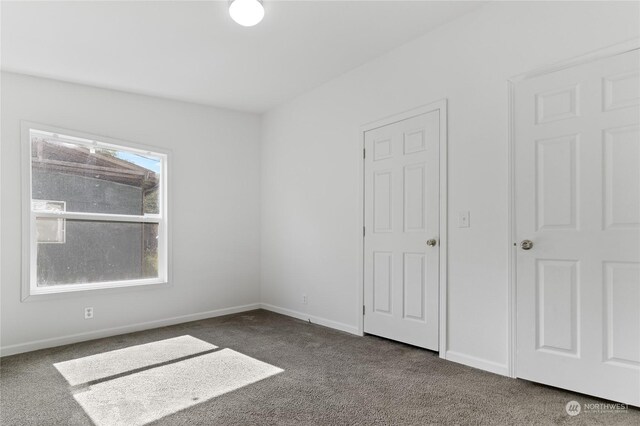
(99, 251)
(93, 179)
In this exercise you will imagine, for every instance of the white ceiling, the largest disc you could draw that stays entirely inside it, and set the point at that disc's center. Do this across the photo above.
(193, 51)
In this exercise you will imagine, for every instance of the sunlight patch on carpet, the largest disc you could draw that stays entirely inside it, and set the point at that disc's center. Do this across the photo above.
(149, 395)
(107, 364)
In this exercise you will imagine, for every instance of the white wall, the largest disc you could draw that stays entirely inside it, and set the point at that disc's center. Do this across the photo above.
(311, 151)
(215, 199)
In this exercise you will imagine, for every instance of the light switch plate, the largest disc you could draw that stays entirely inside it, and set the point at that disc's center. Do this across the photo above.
(463, 219)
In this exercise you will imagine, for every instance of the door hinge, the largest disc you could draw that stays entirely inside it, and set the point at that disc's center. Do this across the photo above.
(364, 153)
(362, 309)
(364, 231)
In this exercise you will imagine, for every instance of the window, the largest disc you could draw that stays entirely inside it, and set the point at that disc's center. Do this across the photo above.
(97, 212)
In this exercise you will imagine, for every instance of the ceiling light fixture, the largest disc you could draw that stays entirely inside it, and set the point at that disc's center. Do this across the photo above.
(246, 12)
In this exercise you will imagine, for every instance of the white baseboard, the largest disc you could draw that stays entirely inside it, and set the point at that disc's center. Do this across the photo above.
(460, 358)
(315, 320)
(472, 361)
(107, 332)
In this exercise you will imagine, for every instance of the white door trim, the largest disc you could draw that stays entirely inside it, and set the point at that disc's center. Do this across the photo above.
(441, 106)
(613, 50)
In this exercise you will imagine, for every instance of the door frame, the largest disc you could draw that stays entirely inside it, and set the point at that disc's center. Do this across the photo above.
(441, 106)
(512, 244)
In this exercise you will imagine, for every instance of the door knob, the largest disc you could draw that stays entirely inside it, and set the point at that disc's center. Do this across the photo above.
(432, 242)
(526, 244)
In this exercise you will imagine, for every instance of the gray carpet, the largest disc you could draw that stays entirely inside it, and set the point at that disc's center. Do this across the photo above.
(329, 378)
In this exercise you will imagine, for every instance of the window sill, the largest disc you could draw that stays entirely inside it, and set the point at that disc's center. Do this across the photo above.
(54, 292)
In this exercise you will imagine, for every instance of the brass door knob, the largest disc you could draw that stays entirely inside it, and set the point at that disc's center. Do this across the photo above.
(432, 242)
(526, 244)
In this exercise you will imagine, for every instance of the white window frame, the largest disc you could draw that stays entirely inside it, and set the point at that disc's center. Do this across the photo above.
(30, 288)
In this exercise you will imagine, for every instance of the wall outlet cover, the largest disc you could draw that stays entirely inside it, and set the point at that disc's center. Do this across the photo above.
(463, 219)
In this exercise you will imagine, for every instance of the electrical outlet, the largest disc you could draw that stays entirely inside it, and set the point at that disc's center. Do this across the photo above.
(304, 299)
(88, 313)
(463, 219)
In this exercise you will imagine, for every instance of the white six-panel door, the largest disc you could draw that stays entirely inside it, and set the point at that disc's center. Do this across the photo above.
(401, 216)
(577, 162)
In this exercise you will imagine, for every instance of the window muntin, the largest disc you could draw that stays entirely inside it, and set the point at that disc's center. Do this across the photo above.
(103, 204)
